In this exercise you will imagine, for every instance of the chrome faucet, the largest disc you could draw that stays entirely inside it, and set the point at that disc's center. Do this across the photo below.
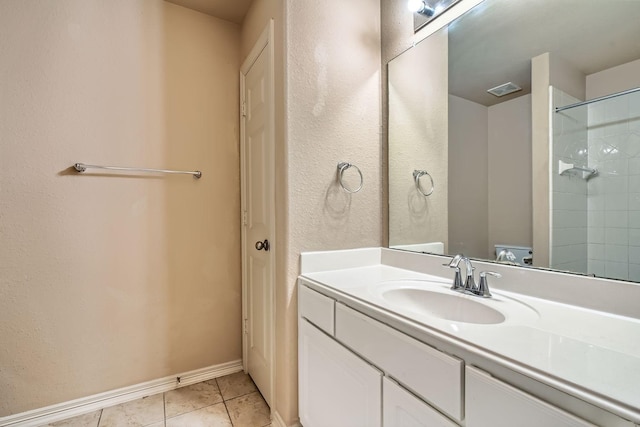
(470, 283)
(469, 286)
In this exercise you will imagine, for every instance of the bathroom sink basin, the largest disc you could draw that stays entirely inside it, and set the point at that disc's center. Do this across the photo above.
(455, 307)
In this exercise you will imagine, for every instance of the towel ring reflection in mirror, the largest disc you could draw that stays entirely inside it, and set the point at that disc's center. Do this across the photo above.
(417, 174)
(342, 167)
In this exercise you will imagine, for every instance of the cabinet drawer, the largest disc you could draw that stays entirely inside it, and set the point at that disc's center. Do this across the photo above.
(402, 409)
(316, 308)
(429, 373)
(491, 402)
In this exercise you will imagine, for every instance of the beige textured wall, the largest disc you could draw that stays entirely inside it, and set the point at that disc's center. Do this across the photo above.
(616, 79)
(540, 158)
(418, 139)
(509, 174)
(333, 114)
(108, 281)
(490, 199)
(397, 29)
(468, 178)
(564, 75)
(397, 36)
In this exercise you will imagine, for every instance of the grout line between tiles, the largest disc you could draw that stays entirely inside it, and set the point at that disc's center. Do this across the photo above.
(100, 417)
(241, 395)
(224, 402)
(164, 409)
(228, 414)
(192, 410)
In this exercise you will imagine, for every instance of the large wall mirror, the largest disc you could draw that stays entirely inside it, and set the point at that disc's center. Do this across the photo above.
(514, 135)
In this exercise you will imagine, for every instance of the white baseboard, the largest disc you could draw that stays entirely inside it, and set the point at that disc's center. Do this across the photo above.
(277, 421)
(61, 411)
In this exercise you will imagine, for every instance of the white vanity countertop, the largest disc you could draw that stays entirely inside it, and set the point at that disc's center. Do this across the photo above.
(590, 354)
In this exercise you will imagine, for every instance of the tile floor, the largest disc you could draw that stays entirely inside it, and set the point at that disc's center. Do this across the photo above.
(230, 401)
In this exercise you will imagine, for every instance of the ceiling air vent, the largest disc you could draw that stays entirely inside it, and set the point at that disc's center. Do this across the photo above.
(504, 89)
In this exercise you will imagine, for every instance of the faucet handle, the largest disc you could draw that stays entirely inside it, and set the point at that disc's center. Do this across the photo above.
(483, 286)
(457, 280)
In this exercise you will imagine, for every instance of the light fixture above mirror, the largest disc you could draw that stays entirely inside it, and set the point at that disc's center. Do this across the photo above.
(421, 7)
(424, 11)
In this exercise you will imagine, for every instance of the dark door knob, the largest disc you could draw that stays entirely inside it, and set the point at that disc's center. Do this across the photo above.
(262, 245)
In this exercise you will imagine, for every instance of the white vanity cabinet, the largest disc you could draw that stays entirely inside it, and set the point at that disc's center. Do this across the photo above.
(432, 375)
(342, 358)
(402, 409)
(337, 388)
(490, 402)
(355, 370)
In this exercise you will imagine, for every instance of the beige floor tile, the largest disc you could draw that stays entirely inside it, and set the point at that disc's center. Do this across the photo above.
(235, 385)
(192, 397)
(86, 420)
(249, 410)
(137, 413)
(211, 416)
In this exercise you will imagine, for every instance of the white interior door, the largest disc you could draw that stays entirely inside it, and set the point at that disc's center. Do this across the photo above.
(257, 153)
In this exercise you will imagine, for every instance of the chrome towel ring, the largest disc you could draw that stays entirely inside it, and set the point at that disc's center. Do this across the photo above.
(417, 174)
(343, 166)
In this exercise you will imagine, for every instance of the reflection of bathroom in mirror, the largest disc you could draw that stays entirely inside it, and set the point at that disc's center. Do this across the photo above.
(511, 176)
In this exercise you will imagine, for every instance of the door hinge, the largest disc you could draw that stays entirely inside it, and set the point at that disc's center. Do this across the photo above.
(244, 109)
(244, 217)
(245, 327)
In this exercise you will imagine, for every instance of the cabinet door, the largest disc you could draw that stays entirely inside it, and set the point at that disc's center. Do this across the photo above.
(491, 402)
(430, 374)
(402, 409)
(336, 387)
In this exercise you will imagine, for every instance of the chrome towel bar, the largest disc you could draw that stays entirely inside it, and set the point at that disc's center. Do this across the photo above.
(81, 167)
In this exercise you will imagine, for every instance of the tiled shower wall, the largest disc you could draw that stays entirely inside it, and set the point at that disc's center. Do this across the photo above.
(614, 196)
(568, 192)
(595, 224)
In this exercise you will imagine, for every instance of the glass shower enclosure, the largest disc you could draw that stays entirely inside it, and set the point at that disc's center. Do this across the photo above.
(595, 184)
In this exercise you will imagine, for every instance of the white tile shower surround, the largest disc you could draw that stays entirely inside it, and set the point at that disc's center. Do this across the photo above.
(229, 401)
(605, 136)
(614, 200)
(569, 232)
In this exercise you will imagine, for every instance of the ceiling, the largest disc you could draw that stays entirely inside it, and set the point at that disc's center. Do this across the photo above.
(229, 10)
(494, 42)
